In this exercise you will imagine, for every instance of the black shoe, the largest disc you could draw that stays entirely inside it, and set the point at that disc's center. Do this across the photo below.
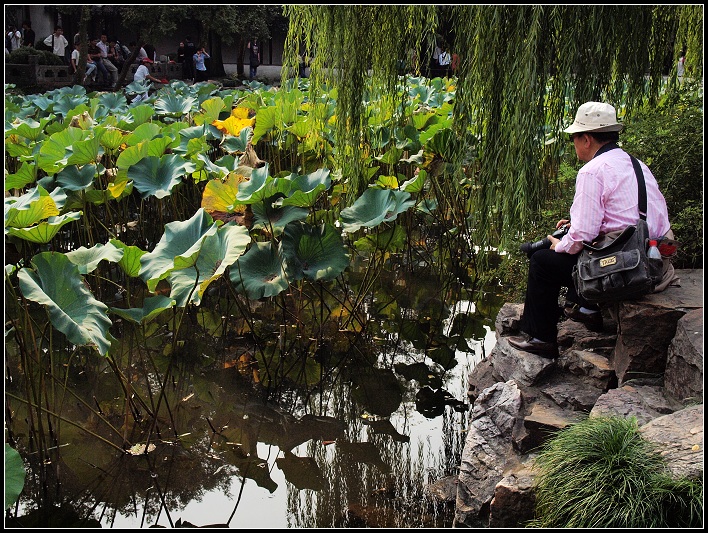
(593, 321)
(548, 350)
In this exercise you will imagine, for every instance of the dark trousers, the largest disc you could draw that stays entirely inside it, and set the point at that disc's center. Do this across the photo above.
(548, 272)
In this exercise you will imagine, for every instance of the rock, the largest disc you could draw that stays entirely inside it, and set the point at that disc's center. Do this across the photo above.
(684, 367)
(487, 447)
(647, 363)
(679, 436)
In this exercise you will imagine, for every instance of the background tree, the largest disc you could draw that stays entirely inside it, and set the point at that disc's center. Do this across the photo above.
(518, 65)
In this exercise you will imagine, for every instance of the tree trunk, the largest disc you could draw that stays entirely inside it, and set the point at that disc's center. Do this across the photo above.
(80, 73)
(126, 65)
(216, 64)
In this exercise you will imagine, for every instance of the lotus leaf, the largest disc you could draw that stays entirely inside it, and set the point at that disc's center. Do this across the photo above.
(87, 259)
(178, 248)
(260, 272)
(23, 177)
(152, 307)
(85, 152)
(115, 102)
(268, 215)
(29, 209)
(73, 178)
(416, 184)
(174, 104)
(55, 283)
(314, 253)
(218, 251)
(55, 151)
(220, 196)
(237, 144)
(44, 232)
(304, 190)
(144, 132)
(212, 110)
(130, 260)
(373, 207)
(14, 476)
(153, 176)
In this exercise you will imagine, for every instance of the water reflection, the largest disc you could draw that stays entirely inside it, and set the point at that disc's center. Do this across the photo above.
(358, 450)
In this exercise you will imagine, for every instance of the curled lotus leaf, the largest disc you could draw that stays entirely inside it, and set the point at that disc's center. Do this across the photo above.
(374, 207)
(55, 282)
(152, 307)
(153, 176)
(87, 259)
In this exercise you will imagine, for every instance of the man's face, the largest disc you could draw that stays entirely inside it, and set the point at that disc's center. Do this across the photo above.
(104, 38)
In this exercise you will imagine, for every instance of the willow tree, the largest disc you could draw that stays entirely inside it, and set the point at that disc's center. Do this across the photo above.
(524, 70)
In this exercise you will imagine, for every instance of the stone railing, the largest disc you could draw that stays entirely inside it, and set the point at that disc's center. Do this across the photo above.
(55, 76)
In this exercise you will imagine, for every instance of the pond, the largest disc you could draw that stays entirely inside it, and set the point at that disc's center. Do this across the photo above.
(233, 446)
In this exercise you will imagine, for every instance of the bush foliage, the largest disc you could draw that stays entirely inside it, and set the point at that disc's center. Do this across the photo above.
(601, 472)
(21, 56)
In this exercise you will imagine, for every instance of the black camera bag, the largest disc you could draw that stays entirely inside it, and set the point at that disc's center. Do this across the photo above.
(619, 269)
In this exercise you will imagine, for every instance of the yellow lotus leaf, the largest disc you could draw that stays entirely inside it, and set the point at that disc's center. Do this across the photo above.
(234, 125)
(240, 112)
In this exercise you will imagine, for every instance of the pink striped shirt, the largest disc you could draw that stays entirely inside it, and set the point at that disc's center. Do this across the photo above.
(606, 199)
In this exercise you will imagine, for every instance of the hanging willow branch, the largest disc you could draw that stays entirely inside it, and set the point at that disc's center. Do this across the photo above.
(524, 71)
(354, 49)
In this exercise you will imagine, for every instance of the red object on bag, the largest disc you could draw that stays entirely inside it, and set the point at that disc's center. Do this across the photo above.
(164, 80)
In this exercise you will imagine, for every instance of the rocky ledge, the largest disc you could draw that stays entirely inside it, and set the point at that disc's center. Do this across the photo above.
(647, 364)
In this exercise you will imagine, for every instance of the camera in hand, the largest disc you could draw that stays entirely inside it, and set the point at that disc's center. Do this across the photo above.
(530, 247)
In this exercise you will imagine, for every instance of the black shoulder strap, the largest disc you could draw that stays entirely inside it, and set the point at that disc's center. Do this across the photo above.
(642, 188)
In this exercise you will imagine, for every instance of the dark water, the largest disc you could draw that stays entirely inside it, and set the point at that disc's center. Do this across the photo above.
(356, 450)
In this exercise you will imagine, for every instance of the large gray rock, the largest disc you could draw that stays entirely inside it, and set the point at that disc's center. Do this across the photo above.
(679, 437)
(646, 327)
(487, 447)
(684, 367)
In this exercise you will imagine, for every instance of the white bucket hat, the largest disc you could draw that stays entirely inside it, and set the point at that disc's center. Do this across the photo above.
(594, 116)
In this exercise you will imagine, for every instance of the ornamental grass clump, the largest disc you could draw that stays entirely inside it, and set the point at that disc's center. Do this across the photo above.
(601, 472)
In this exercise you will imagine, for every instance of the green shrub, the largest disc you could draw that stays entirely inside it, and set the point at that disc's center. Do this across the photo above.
(601, 472)
(669, 138)
(21, 56)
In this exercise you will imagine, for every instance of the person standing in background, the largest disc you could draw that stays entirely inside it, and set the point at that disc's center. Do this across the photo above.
(28, 35)
(110, 67)
(681, 67)
(200, 68)
(254, 58)
(13, 39)
(58, 43)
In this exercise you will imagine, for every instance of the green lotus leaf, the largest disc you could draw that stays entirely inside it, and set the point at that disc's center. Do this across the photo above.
(29, 128)
(212, 109)
(390, 240)
(423, 119)
(407, 138)
(115, 102)
(67, 105)
(174, 104)
(137, 115)
(440, 142)
(259, 272)
(144, 132)
(218, 252)
(55, 283)
(44, 232)
(14, 476)
(260, 186)
(178, 248)
(30, 208)
(18, 147)
(137, 87)
(153, 176)
(306, 189)
(268, 215)
(415, 159)
(111, 139)
(87, 259)
(23, 177)
(130, 261)
(73, 178)
(158, 146)
(236, 144)
(85, 152)
(129, 157)
(301, 128)
(314, 253)
(265, 122)
(55, 151)
(152, 307)
(416, 184)
(373, 207)
(80, 117)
